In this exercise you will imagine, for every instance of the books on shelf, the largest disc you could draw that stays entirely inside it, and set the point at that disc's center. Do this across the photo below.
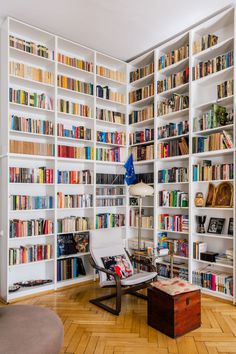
(30, 72)
(75, 62)
(225, 89)
(173, 198)
(198, 248)
(216, 117)
(139, 73)
(30, 148)
(142, 114)
(103, 202)
(141, 93)
(75, 132)
(176, 247)
(109, 191)
(173, 56)
(173, 104)
(31, 47)
(105, 178)
(31, 253)
(75, 108)
(164, 270)
(145, 178)
(32, 99)
(31, 125)
(146, 220)
(173, 129)
(108, 220)
(212, 142)
(173, 80)
(172, 148)
(73, 224)
(178, 223)
(112, 155)
(214, 280)
(143, 152)
(206, 171)
(117, 138)
(70, 268)
(173, 175)
(29, 202)
(116, 75)
(74, 200)
(74, 177)
(33, 227)
(106, 93)
(73, 152)
(204, 42)
(225, 258)
(38, 175)
(141, 136)
(70, 83)
(110, 116)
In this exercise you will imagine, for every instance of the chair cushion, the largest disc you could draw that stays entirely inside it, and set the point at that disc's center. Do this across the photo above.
(174, 286)
(119, 265)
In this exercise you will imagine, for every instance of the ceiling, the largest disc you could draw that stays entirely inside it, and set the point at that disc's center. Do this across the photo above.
(120, 28)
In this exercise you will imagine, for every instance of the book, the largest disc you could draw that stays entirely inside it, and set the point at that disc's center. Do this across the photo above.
(106, 93)
(30, 148)
(141, 93)
(176, 147)
(173, 129)
(31, 125)
(205, 42)
(212, 142)
(116, 75)
(115, 137)
(33, 227)
(30, 253)
(173, 175)
(73, 224)
(143, 152)
(70, 268)
(172, 81)
(109, 220)
(206, 171)
(74, 177)
(29, 98)
(74, 200)
(111, 154)
(31, 73)
(141, 136)
(73, 152)
(74, 108)
(139, 73)
(173, 56)
(110, 116)
(28, 202)
(178, 223)
(75, 132)
(110, 178)
(31, 47)
(172, 104)
(175, 198)
(75, 62)
(141, 114)
(147, 221)
(74, 85)
(225, 89)
(39, 175)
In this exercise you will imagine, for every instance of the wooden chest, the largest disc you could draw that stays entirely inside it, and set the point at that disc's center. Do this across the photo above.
(174, 315)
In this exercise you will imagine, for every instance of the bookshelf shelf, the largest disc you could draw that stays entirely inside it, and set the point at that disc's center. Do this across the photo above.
(74, 255)
(227, 237)
(17, 80)
(173, 137)
(175, 158)
(30, 57)
(175, 115)
(74, 94)
(103, 122)
(73, 116)
(143, 162)
(30, 109)
(214, 181)
(143, 143)
(25, 156)
(175, 232)
(18, 132)
(173, 183)
(178, 89)
(206, 131)
(72, 69)
(110, 102)
(103, 80)
(217, 294)
(28, 238)
(147, 122)
(27, 291)
(81, 141)
(108, 144)
(214, 153)
(143, 81)
(219, 75)
(168, 69)
(30, 263)
(213, 263)
(217, 49)
(224, 101)
(80, 279)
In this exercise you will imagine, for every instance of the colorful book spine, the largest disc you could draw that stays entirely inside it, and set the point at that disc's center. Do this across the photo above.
(111, 74)
(143, 152)
(225, 89)
(142, 93)
(28, 202)
(31, 47)
(204, 42)
(73, 152)
(74, 108)
(173, 148)
(31, 253)
(214, 280)
(109, 179)
(39, 175)
(173, 129)
(208, 172)
(178, 223)
(32, 99)
(74, 200)
(75, 132)
(212, 142)
(173, 198)
(147, 222)
(173, 104)
(31, 125)
(73, 224)
(173, 81)
(28, 228)
(31, 73)
(139, 73)
(74, 177)
(173, 175)
(141, 115)
(70, 268)
(111, 155)
(75, 62)
(109, 191)
(172, 57)
(106, 93)
(117, 138)
(141, 136)
(74, 85)
(107, 220)
(145, 178)
(110, 116)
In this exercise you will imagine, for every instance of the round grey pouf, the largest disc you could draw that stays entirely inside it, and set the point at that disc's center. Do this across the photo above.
(27, 329)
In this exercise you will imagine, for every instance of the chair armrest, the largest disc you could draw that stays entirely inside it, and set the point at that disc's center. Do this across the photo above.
(104, 270)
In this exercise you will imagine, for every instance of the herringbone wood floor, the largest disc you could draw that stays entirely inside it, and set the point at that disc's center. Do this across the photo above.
(89, 329)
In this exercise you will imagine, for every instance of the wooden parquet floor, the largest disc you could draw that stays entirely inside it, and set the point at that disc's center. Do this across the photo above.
(89, 329)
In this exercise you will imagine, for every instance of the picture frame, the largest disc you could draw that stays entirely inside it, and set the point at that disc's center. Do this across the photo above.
(223, 197)
(231, 227)
(216, 226)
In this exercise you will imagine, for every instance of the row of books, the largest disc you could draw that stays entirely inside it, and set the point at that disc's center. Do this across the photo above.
(31, 175)
(112, 155)
(216, 141)
(217, 116)
(205, 171)
(75, 62)
(111, 74)
(70, 268)
(31, 47)
(173, 57)
(204, 42)
(32, 99)
(116, 137)
(74, 85)
(31, 148)
(106, 93)
(33, 227)
(103, 202)
(178, 223)
(73, 152)
(141, 136)
(110, 116)
(172, 81)
(141, 93)
(31, 253)
(31, 73)
(173, 129)
(147, 221)
(105, 191)
(145, 178)
(211, 66)
(74, 177)
(176, 247)
(74, 200)
(174, 147)
(214, 280)
(73, 224)
(75, 132)
(139, 73)
(143, 152)
(175, 198)
(172, 104)
(173, 175)
(109, 179)
(75, 108)
(108, 220)
(164, 270)
(30, 125)
(142, 114)
(225, 89)
(29, 202)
